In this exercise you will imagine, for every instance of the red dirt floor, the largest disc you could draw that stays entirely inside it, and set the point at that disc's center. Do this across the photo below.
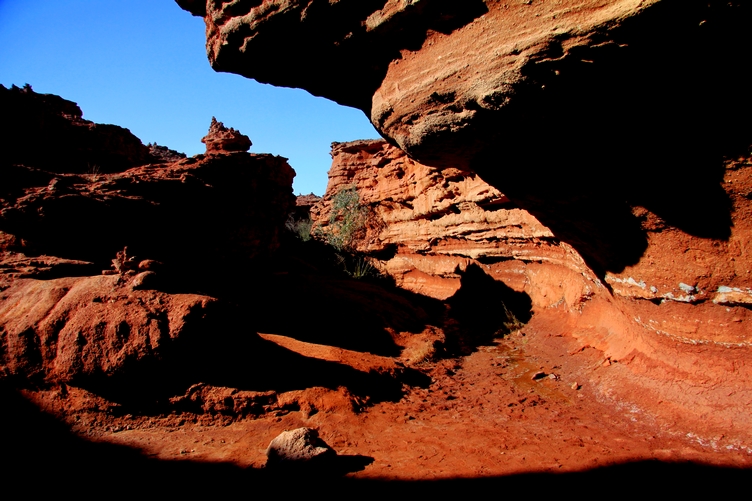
(484, 416)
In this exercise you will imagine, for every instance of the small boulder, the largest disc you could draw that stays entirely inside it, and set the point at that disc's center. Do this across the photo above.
(297, 447)
(144, 280)
(149, 265)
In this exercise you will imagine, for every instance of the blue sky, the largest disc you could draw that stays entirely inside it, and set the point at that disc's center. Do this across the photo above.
(142, 64)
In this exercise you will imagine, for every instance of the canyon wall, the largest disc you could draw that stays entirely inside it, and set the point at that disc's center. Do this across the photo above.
(673, 328)
(48, 132)
(113, 280)
(563, 105)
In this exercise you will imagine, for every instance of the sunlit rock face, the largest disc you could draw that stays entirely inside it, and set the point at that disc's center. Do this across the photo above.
(221, 139)
(179, 229)
(615, 125)
(427, 225)
(681, 312)
(562, 105)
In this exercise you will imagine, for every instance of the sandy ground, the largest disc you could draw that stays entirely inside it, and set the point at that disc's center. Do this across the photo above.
(521, 405)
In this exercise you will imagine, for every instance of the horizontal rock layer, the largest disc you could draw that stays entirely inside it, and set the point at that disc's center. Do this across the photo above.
(564, 106)
(682, 313)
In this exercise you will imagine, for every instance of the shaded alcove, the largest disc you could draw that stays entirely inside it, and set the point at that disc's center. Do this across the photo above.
(643, 116)
(483, 309)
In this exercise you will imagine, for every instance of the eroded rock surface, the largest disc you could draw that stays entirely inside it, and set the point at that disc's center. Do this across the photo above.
(82, 330)
(430, 225)
(680, 314)
(153, 210)
(221, 139)
(149, 321)
(578, 110)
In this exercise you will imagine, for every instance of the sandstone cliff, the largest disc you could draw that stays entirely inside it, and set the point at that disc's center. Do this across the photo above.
(147, 320)
(578, 110)
(681, 314)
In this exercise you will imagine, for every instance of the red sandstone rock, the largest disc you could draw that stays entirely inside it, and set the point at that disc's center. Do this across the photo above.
(577, 110)
(48, 132)
(439, 221)
(220, 139)
(195, 224)
(164, 154)
(307, 200)
(664, 318)
(79, 330)
(228, 401)
(154, 210)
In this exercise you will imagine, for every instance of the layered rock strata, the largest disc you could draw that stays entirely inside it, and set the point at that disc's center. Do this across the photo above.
(676, 323)
(565, 106)
(428, 225)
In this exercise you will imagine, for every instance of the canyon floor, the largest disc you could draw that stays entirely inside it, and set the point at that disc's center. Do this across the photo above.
(518, 412)
(474, 349)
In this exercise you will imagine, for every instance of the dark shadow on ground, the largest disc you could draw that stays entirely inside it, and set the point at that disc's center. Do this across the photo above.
(43, 457)
(483, 309)
(246, 363)
(309, 297)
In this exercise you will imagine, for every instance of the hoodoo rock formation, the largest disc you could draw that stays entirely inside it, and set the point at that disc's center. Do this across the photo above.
(220, 139)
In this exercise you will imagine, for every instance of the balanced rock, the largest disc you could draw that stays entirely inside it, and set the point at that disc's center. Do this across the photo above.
(220, 139)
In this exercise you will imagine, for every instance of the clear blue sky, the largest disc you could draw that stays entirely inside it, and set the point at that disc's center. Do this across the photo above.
(142, 64)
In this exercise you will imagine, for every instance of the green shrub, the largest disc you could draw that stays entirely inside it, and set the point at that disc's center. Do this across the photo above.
(346, 225)
(301, 228)
(347, 220)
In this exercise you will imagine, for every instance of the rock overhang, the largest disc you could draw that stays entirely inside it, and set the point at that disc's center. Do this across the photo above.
(563, 105)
